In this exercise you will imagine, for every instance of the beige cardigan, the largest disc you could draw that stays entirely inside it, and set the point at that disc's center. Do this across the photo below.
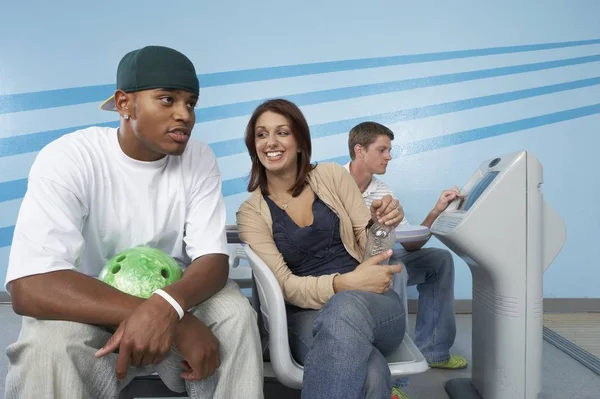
(333, 184)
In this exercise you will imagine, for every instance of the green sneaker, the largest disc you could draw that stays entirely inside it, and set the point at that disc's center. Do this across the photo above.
(397, 393)
(454, 363)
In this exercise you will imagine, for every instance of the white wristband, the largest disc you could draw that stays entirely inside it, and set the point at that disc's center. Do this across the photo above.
(172, 302)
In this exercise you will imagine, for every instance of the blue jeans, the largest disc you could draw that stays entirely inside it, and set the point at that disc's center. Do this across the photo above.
(432, 271)
(343, 345)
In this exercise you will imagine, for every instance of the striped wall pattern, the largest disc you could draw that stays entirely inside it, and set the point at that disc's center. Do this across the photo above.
(417, 95)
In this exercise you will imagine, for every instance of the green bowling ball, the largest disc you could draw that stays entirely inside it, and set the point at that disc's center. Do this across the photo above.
(140, 271)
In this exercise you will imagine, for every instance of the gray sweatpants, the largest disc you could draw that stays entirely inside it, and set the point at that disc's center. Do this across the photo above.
(55, 359)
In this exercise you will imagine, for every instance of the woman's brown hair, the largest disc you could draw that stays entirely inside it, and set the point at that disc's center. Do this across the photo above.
(300, 131)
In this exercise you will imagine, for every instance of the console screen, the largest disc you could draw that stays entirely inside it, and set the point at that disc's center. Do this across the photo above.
(477, 190)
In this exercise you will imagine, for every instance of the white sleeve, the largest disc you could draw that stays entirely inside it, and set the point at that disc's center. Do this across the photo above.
(382, 190)
(47, 234)
(205, 219)
(404, 221)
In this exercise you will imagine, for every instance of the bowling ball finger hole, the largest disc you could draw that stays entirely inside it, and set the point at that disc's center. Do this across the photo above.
(116, 269)
(121, 258)
(164, 273)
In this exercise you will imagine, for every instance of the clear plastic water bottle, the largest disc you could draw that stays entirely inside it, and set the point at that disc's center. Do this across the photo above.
(380, 238)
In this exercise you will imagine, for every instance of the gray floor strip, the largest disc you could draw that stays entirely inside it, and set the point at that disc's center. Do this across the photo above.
(582, 356)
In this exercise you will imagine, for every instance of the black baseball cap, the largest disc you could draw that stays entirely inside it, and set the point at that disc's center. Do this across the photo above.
(154, 67)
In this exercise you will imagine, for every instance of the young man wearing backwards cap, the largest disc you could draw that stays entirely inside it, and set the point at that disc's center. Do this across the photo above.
(98, 191)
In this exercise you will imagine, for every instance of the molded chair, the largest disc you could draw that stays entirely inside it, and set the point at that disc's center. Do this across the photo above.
(240, 273)
(406, 360)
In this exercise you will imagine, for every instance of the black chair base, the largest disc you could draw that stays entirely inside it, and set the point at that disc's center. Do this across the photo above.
(150, 386)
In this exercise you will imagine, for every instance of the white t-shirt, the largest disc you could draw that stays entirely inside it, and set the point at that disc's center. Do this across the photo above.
(86, 201)
(376, 190)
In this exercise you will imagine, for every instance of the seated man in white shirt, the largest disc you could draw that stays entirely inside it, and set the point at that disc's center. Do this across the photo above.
(98, 191)
(430, 269)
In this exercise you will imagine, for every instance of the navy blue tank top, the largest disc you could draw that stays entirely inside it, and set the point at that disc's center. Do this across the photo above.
(313, 250)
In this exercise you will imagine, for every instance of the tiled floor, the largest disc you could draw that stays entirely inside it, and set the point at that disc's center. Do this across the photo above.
(563, 377)
(583, 329)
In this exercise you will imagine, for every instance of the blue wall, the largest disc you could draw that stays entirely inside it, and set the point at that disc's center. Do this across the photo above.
(458, 83)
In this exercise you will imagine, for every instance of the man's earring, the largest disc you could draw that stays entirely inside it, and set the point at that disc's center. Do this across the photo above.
(126, 117)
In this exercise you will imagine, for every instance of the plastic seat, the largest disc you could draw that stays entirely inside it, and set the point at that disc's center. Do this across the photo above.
(406, 360)
(240, 273)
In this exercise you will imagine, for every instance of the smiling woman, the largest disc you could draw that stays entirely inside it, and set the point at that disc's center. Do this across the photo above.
(274, 141)
(278, 126)
(308, 224)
